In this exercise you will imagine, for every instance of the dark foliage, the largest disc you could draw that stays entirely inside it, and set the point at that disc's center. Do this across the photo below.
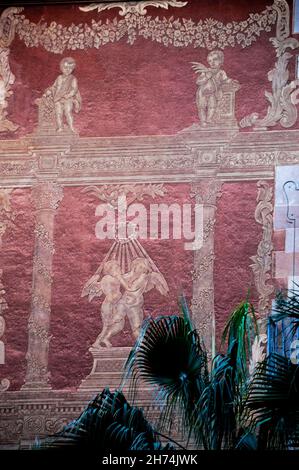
(108, 423)
(272, 404)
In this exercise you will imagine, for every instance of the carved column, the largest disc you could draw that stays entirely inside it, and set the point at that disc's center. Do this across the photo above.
(262, 260)
(46, 196)
(206, 193)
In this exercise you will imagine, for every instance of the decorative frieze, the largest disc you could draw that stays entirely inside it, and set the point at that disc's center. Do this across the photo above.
(207, 33)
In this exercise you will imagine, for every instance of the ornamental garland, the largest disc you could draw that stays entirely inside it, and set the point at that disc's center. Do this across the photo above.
(208, 33)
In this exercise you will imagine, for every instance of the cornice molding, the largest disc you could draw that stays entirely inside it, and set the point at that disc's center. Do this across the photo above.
(181, 157)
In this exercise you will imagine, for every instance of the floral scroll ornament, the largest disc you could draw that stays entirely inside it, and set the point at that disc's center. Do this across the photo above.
(208, 33)
(262, 260)
(7, 79)
(284, 96)
(133, 7)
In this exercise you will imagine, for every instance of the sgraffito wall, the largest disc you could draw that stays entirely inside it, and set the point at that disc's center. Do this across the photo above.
(180, 107)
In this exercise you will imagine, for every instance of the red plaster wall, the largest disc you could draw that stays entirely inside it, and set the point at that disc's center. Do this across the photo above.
(237, 235)
(123, 85)
(16, 260)
(142, 89)
(76, 322)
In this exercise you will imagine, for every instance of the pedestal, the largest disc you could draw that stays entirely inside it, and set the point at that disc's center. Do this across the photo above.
(107, 369)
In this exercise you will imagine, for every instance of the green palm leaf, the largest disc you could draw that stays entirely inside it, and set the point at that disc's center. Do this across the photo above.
(272, 405)
(169, 356)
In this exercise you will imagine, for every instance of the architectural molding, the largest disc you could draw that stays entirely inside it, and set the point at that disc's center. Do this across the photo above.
(234, 156)
(46, 196)
(6, 219)
(205, 192)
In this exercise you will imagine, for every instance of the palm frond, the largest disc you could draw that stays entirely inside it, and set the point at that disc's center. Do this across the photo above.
(272, 404)
(217, 411)
(170, 357)
(239, 332)
(108, 423)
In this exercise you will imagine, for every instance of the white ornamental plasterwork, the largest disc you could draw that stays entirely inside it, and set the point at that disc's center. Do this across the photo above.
(259, 352)
(133, 7)
(17, 168)
(215, 97)
(44, 237)
(132, 162)
(208, 33)
(46, 196)
(6, 214)
(134, 192)
(262, 260)
(7, 78)
(256, 159)
(5, 383)
(55, 107)
(285, 93)
(205, 192)
(6, 218)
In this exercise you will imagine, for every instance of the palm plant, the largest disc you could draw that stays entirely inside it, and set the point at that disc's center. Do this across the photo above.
(272, 404)
(108, 423)
(223, 408)
(170, 355)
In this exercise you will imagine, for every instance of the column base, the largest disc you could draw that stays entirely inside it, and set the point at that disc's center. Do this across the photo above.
(36, 386)
(107, 369)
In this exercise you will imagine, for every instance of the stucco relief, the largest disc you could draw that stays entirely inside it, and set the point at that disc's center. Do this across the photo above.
(5, 383)
(208, 33)
(46, 196)
(215, 97)
(205, 192)
(284, 97)
(262, 260)
(59, 101)
(6, 219)
(259, 352)
(133, 7)
(7, 78)
(127, 272)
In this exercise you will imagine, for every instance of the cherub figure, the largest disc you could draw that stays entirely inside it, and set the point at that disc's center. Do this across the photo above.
(65, 94)
(123, 296)
(139, 280)
(109, 286)
(210, 82)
